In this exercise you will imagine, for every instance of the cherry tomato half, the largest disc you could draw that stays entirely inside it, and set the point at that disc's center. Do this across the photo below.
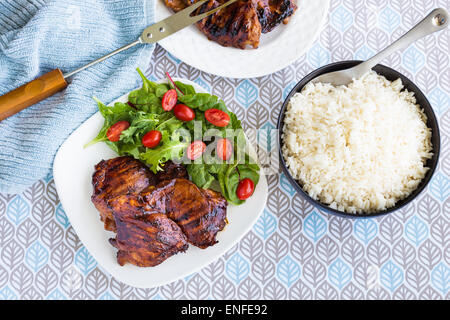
(196, 149)
(114, 132)
(245, 189)
(224, 149)
(183, 112)
(217, 117)
(151, 139)
(169, 99)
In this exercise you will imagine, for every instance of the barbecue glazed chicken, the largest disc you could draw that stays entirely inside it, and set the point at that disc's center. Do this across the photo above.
(114, 177)
(241, 23)
(154, 215)
(199, 213)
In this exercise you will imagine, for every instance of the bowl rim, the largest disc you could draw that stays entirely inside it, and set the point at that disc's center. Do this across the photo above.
(431, 118)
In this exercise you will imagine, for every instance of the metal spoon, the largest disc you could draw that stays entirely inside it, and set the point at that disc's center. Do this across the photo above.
(437, 20)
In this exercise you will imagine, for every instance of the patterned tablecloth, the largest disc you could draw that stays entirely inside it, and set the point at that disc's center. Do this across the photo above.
(294, 251)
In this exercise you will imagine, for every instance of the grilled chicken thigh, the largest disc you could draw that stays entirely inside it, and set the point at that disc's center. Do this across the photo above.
(126, 175)
(155, 216)
(272, 12)
(241, 23)
(201, 214)
(147, 240)
(114, 177)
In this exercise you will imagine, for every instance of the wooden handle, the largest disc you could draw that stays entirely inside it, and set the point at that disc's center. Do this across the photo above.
(31, 93)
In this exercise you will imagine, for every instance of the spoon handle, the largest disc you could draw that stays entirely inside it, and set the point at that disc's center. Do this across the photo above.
(437, 20)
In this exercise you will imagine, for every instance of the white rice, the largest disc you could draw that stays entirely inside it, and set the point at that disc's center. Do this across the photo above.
(358, 148)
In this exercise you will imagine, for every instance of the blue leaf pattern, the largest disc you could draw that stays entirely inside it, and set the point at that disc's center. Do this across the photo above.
(288, 271)
(56, 295)
(389, 19)
(440, 186)
(266, 224)
(107, 296)
(246, 93)
(363, 53)
(416, 230)
(365, 230)
(18, 210)
(7, 294)
(339, 273)
(391, 276)
(413, 59)
(237, 268)
(288, 89)
(342, 19)
(36, 256)
(61, 217)
(315, 226)
(84, 261)
(202, 84)
(439, 100)
(440, 277)
(318, 56)
(286, 185)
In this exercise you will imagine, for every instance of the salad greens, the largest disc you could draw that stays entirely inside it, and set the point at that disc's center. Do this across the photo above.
(144, 112)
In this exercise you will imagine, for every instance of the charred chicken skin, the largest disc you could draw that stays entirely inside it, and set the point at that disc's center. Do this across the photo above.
(201, 214)
(126, 175)
(241, 23)
(155, 216)
(147, 240)
(114, 177)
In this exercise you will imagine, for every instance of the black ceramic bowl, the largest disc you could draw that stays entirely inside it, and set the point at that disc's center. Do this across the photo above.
(391, 75)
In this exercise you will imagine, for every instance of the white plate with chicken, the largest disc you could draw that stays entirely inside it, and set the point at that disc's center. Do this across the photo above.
(146, 219)
(249, 38)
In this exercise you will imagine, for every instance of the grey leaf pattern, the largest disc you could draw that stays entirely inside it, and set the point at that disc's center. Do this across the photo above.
(352, 292)
(284, 263)
(46, 280)
(249, 289)
(263, 268)
(21, 278)
(300, 291)
(96, 283)
(223, 289)
(27, 232)
(6, 231)
(429, 254)
(197, 288)
(274, 290)
(417, 276)
(251, 246)
(327, 250)
(352, 250)
(403, 253)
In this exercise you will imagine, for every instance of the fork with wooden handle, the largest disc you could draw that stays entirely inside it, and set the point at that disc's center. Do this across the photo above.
(54, 81)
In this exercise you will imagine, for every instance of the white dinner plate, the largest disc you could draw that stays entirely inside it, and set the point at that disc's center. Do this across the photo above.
(72, 170)
(277, 49)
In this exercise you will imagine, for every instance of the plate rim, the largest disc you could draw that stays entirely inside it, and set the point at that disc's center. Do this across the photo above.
(58, 162)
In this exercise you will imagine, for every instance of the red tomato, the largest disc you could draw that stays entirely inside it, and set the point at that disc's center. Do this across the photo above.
(245, 189)
(183, 112)
(169, 99)
(114, 132)
(151, 139)
(196, 149)
(217, 117)
(224, 149)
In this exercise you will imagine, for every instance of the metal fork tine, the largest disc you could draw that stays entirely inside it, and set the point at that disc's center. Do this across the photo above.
(205, 14)
(176, 22)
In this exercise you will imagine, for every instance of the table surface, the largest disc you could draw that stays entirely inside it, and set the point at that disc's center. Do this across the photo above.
(294, 251)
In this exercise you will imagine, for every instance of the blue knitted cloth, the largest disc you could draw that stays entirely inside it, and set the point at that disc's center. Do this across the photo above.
(37, 36)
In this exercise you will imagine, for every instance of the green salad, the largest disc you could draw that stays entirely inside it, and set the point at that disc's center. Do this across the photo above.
(171, 121)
